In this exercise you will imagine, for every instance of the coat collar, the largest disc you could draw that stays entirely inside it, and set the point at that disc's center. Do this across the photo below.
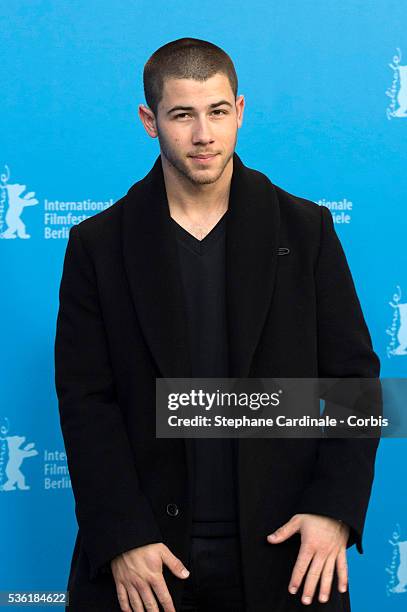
(152, 267)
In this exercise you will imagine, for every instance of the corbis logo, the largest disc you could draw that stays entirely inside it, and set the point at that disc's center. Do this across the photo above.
(398, 328)
(397, 92)
(11, 195)
(12, 455)
(398, 566)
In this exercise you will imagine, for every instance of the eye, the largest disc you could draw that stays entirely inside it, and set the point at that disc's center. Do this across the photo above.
(217, 110)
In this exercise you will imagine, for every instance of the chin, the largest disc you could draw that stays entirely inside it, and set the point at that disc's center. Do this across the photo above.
(205, 179)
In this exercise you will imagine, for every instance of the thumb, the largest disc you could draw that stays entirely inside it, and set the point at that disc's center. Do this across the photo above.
(175, 564)
(285, 531)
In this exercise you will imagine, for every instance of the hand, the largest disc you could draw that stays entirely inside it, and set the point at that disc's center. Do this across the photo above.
(139, 570)
(323, 541)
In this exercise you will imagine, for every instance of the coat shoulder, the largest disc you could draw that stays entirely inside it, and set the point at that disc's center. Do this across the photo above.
(104, 219)
(301, 219)
(295, 211)
(298, 205)
(99, 232)
(295, 204)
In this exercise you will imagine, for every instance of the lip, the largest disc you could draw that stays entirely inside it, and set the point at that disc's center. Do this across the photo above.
(203, 158)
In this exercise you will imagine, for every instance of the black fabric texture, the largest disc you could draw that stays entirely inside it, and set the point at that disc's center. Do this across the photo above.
(203, 274)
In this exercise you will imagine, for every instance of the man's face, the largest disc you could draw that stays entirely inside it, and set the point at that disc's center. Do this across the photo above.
(194, 119)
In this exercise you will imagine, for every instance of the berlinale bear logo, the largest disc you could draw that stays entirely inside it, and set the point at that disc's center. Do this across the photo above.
(12, 475)
(397, 92)
(398, 566)
(398, 328)
(12, 193)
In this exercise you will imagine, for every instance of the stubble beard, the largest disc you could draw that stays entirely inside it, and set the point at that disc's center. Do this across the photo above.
(198, 177)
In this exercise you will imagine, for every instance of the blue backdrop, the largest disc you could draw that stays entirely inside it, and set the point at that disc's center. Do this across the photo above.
(325, 84)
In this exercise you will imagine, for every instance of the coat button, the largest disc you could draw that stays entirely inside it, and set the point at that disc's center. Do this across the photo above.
(172, 509)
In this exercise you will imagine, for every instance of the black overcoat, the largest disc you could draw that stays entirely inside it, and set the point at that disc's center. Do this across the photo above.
(122, 323)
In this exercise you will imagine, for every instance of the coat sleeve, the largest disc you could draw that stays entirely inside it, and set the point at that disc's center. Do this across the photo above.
(112, 512)
(344, 470)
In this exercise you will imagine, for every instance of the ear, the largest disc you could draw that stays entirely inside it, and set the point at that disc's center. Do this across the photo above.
(148, 120)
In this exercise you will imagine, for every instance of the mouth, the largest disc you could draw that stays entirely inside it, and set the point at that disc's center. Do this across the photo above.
(203, 158)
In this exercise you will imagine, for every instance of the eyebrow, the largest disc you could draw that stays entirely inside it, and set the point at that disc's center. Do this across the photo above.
(188, 108)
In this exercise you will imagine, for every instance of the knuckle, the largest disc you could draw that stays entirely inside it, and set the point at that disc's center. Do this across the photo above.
(314, 573)
(141, 586)
(134, 605)
(138, 582)
(302, 565)
(327, 577)
(165, 599)
(124, 607)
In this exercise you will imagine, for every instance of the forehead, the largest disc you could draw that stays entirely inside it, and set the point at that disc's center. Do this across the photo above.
(192, 92)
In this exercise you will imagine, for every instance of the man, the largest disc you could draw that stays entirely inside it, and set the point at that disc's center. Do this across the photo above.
(206, 268)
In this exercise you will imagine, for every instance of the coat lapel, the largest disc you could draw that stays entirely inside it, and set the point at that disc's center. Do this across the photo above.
(251, 261)
(152, 267)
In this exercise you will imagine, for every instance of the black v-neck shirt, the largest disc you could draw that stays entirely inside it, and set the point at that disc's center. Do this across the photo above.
(203, 275)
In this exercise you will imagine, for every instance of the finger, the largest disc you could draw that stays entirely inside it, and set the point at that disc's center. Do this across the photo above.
(303, 560)
(146, 594)
(175, 564)
(326, 578)
(163, 595)
(135, 599)
(123, 598)
(342, 569)
(284, 532)
(313, 576)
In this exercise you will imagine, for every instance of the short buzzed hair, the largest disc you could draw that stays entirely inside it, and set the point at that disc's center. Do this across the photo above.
(185, 58)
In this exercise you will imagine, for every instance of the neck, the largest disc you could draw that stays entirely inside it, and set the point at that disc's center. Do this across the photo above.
(195, 202)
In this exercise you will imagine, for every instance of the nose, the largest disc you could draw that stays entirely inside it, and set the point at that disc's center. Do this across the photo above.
(201, 133)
